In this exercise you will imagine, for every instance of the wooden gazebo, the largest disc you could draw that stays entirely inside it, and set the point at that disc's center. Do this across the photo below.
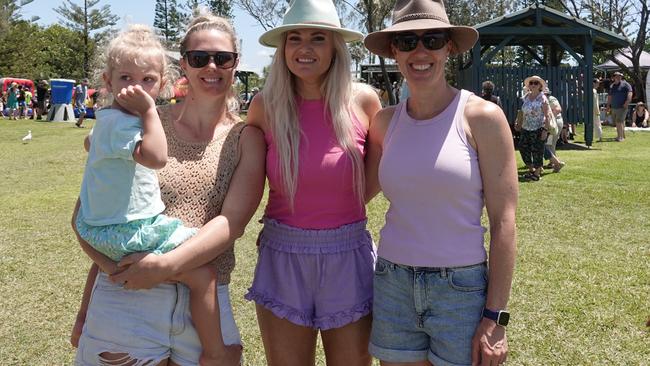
(534, 26)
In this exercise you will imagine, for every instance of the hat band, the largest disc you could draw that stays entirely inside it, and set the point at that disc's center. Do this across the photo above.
(417, 16)
(318, 23)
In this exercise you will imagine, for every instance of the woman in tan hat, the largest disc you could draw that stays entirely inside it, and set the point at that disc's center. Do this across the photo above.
(534, 126)
(316, 258)
(439, 157)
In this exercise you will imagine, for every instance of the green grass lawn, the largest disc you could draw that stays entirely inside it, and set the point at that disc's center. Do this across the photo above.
(581, 292)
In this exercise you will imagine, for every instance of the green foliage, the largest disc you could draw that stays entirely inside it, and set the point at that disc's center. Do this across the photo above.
(168, 22)
(89, 23)
(32, 52)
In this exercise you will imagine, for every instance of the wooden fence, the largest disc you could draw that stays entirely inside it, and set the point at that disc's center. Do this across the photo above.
(565, 83)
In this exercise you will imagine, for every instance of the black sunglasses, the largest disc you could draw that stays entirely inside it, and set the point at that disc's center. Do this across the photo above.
(223, 59)
(408, 41)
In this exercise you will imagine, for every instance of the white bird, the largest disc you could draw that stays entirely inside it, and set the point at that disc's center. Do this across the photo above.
(27, 137)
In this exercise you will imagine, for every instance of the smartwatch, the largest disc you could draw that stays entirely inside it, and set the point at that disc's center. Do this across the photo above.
(501, 317)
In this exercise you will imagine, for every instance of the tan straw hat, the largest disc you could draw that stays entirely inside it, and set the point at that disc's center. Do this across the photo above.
(412, 15)
(541, 81)
(317, 14)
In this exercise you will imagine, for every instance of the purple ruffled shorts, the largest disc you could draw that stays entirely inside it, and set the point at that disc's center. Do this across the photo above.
(320, 279)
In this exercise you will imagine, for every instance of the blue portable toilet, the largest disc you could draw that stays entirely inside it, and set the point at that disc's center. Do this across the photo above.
(61, 100)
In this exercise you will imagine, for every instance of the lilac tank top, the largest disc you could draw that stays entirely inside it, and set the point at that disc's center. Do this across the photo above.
(325, 196)
(430, 174)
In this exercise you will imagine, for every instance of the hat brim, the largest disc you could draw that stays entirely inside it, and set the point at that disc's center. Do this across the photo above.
(535, 77)
(379, 42)
(273, 38)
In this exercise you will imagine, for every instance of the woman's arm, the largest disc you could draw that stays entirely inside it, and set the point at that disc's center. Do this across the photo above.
(493, 141)
(216, 236)
(374, 150)
(83, 308)
(546, 110)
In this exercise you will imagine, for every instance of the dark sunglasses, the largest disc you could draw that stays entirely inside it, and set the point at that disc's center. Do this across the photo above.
(223, 59)
(534, 82)
(408, 41)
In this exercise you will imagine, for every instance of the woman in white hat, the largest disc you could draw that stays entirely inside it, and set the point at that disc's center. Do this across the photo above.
(316, 258)
(440, 157)
(534, 125)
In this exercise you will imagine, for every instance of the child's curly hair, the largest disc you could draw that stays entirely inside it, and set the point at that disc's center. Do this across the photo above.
(139, 44)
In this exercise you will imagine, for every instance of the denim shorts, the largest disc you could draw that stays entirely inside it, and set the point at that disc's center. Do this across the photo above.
(422, 313)
(149, 325)
(320, 279)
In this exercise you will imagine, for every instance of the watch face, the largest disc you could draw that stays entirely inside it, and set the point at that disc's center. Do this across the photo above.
(504, 318)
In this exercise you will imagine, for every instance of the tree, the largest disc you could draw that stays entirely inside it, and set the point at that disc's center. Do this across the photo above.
(85, 20)
(10, 13)
(268, 13)
(168, 22)
(222, 8)
(629, 19)
(48, 54)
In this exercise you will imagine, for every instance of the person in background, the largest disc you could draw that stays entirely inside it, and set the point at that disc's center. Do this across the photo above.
(80, 96)
(440, 157)
(598, 127)
(3, 103)
(555, 126)
(316, 257)
(12, 100)
(42, 93)
(21, 101)
(487, 93)
(533, 126)
(28, 103)
(618, 99)
(640, 116)
(404, 91)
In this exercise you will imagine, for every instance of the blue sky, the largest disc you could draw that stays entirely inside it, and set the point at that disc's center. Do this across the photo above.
(254, 55)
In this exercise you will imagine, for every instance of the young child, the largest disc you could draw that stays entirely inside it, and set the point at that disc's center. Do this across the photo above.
(119, 207)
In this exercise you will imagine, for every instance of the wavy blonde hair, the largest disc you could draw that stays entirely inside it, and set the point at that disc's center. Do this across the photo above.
(282, 114)
(204, 20)
(138, 44)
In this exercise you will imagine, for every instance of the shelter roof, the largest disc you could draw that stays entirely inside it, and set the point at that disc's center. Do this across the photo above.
(536, 26)
(644, 61)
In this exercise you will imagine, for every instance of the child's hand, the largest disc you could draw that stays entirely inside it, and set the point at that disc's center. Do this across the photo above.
(135, 100)
(109, 268)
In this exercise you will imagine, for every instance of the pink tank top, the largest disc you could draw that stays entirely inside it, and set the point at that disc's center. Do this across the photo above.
(430, 174)
(325, 196)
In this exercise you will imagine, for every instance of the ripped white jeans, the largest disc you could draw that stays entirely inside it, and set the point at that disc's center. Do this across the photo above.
(148, 326)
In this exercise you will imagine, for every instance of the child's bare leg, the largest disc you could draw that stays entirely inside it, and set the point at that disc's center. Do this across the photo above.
(204, 307)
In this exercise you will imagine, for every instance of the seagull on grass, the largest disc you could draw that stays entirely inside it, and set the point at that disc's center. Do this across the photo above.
(27, 137)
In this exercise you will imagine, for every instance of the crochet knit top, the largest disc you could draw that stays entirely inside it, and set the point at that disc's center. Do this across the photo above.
(194, 183)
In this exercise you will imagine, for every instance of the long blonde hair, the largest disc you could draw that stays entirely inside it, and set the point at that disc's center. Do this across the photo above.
(205, 20)
(282, 114)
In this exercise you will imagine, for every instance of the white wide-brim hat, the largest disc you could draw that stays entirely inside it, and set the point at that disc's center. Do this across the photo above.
(412, 15)
(317, 14)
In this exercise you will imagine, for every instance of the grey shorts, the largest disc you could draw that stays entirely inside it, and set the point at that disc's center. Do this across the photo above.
(618, 115)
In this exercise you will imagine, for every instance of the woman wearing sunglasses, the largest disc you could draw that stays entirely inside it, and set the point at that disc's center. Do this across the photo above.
(214, 179)
(314, 270)
(535, 124)
(439, 157)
